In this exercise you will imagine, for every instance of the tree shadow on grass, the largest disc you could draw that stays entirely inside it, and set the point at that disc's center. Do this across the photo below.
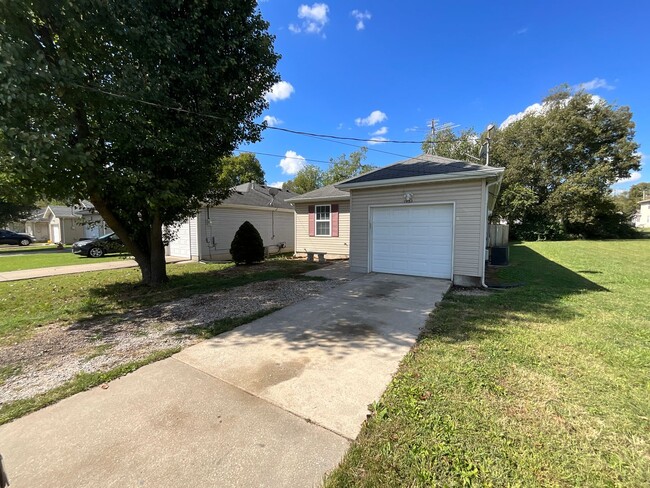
(545, 284)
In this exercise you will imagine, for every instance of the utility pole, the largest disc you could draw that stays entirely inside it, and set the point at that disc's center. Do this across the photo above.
(431, 149)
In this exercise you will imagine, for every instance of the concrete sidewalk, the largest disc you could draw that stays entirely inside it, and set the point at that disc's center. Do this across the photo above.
(29, 274)
(272, 403)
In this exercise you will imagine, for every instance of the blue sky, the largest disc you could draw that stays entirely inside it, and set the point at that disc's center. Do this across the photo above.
(384, 69)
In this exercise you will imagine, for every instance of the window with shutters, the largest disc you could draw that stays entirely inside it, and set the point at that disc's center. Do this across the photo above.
(323, 220)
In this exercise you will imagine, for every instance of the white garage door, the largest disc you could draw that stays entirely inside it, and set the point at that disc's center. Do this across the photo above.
(181, 246)
(412, 240)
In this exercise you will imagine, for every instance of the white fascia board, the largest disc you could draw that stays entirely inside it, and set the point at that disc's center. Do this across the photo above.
(465, 175)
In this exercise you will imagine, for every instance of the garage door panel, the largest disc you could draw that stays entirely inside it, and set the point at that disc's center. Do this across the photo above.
(413, 240)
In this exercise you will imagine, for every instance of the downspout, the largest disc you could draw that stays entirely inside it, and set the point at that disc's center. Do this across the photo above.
(486, 217)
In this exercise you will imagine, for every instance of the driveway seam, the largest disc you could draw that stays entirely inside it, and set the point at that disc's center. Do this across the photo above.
(305, 419)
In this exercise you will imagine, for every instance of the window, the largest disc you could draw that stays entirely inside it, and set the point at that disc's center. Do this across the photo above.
(323, 220)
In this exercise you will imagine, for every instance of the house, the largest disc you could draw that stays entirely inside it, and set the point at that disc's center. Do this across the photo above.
(208, 235)
(322, 220)
(68, 224)
(642, 217)
(36, 225)
(424, 216)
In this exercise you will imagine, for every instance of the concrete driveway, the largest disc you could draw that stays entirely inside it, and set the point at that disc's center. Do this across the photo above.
(272, 403)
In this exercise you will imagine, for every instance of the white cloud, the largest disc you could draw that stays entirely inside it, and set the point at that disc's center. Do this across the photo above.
(361, 17)
(375, 117)
(276, 184)
(540, 108)
(415, 128)
(377, 140)
(313, 19)
(380, 132)
(280, 91)
(521, 31)
(272, 121)
(634, 175)
(535, 108)
(594, 84)
(292, 163)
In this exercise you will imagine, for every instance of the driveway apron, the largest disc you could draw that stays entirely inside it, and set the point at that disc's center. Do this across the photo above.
(272, 403)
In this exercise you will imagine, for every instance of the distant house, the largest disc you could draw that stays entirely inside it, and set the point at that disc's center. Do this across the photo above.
(73, 223)
(642, 217)
(207, 236)
(323, 222)
(36, 225)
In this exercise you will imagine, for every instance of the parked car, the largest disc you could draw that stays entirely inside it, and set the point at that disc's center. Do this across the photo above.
(96, 248)
(15, 238)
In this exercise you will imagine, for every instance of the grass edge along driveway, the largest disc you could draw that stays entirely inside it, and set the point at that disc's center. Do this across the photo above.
(542, 385)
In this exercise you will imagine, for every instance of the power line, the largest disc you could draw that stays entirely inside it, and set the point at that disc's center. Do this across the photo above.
(324, 137)
(218, 117)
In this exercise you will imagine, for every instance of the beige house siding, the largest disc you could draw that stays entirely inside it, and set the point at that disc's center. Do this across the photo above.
(644, 215)
(469, 223)
(216, 228)
(335, 247)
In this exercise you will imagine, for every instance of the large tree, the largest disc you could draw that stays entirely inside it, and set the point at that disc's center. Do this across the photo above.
(560, 164)
(446, 143)
(345, 167)
(132, 104)
(311, 177)
(243, 168)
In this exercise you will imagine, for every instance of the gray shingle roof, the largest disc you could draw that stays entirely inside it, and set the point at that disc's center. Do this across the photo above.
(422, 165)
(256, 195)
(328, 192)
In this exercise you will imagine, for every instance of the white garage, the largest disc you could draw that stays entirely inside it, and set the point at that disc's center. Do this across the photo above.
(412, 240)
(424, 216)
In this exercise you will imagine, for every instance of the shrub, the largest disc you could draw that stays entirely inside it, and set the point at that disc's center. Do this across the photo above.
(247, 246)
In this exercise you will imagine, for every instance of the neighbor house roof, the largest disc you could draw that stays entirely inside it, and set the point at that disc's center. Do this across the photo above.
(37, 215)
(256, 195)
(76, 211)
(423, 168)
(329, 192)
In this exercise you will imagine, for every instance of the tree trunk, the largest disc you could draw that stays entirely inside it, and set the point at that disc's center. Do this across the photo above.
(150, 259)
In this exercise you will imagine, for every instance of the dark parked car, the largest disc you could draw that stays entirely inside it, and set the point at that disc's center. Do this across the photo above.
(96, 248)
(15, 238)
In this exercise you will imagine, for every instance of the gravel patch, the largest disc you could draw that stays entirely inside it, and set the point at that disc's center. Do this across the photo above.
(56, 353)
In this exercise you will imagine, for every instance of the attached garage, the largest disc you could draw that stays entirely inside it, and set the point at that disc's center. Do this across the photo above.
(413, 240)
(425, 216)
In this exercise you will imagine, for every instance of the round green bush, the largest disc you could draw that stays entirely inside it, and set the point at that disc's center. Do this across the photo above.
(247, 246)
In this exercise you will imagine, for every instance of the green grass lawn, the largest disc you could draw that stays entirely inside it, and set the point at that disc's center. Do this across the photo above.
(542, 385)
(26, 305)
(37, 246)
(16, 262)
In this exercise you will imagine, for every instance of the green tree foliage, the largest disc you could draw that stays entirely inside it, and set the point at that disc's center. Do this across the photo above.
(98, 100)
(560, 164)
(236, 170)
(247, 245)
(446, 143)
(343, 167)
(307, 179)
(627, 202)
(639, 192)
(13, 212)
(311, 177)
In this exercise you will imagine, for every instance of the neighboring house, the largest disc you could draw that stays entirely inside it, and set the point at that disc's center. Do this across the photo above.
(424, 216)
(207, 236)
(73, 223)
(323, 222)
(642, 217)
(36, 225)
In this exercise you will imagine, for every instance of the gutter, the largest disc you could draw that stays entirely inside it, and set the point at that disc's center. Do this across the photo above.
(487, 196)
